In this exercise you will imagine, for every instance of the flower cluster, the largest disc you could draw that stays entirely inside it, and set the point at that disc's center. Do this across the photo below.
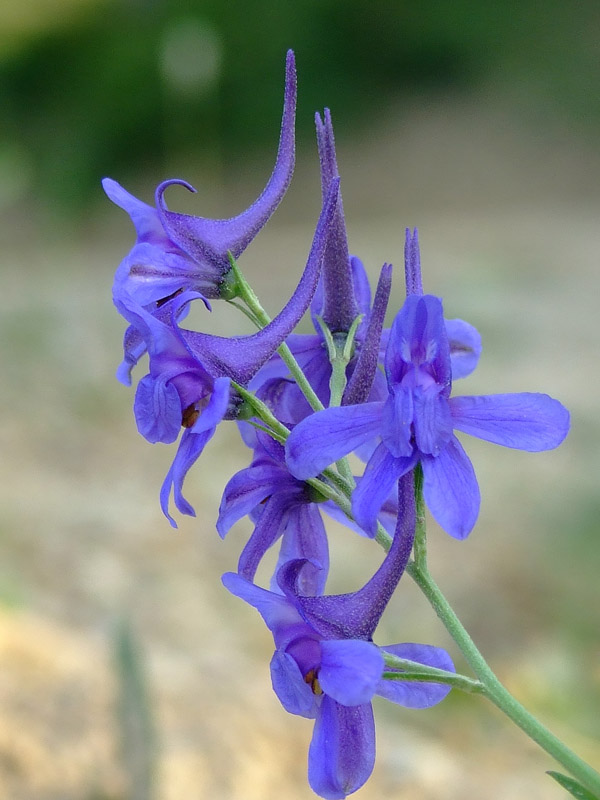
(303, 402)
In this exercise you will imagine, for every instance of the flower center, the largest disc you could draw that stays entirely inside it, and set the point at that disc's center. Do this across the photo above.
(311, 679)
(189, 416)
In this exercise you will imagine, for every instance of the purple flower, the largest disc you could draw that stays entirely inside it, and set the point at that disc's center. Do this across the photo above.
(416, 423)
(178, 252)
(325, 666)
(189, 380)
(281, 507)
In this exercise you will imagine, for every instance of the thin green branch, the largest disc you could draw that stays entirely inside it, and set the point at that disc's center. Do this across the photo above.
(495, 691)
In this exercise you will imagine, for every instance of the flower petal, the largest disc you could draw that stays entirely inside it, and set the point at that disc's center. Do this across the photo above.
(396, 423)
(191, 445)
(415, 694)
(247, 489)
(465, 347)
(381, 473)
(157, 410)
(324, 437)
(294, 694)
(525, 421)
(418, 339)
(268, 529)
(280, 616)
(450, 489)
(350, 670)
(432, 421)
(305, 538)
(342, 751)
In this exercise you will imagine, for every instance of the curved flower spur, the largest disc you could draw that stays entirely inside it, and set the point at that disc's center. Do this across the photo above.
(175, 252)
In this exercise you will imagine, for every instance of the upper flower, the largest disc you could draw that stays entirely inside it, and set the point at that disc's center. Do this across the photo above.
(189, 380)
(178, 252)
(416, 422)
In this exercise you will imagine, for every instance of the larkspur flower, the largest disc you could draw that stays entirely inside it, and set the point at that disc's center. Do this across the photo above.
(416, 421)
(190, 373)
(283, 507)
(326, 666)
(179, 252)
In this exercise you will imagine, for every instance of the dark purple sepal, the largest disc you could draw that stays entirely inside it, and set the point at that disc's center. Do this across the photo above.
(355, 615)
(339, 303)
(209, 240)
(240, 357)
(359, 386)
(412, 263)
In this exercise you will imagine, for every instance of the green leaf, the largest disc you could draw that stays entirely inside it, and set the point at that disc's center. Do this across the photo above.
(572, 786)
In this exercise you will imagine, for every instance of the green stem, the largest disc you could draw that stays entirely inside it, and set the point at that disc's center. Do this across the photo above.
(495, 691)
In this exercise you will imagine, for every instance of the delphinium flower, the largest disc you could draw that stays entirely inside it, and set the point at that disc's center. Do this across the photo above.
(179, 252)
(284, 507)
(326, 666)
(416, 422)
(188, 384)
(281, 506)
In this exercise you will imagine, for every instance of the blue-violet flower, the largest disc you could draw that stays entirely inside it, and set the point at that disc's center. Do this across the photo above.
(416, 421)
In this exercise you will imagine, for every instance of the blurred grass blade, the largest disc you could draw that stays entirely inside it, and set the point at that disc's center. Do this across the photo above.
(572, 786)
(135, 719)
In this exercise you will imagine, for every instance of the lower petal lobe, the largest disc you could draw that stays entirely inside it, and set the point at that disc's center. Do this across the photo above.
(450, 489)
(342, 751)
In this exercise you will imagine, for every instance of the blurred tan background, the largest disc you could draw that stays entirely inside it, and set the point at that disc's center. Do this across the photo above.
(126, 670)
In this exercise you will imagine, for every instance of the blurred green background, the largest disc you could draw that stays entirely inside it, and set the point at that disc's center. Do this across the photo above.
(126, 671)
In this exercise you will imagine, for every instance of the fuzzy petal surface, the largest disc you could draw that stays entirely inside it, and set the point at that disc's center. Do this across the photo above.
(465, 347)
(350, 670)
(326, 436)
(342, 751)
(451, 490)
(381, 473)
(525, 421)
